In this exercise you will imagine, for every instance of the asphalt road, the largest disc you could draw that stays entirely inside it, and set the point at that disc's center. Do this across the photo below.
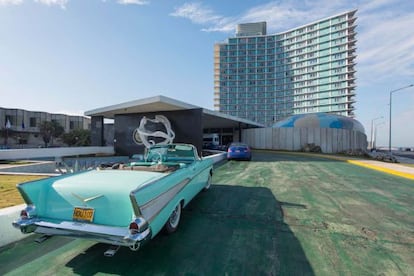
(280, 214)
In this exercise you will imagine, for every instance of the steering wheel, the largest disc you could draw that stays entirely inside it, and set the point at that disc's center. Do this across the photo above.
(157, 158)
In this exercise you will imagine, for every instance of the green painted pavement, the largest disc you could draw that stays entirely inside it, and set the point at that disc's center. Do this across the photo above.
(279, 214)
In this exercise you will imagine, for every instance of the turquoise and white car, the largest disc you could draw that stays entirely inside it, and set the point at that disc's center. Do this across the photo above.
(124, 205)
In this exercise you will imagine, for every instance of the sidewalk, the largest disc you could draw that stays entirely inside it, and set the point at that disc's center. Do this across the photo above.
(405, 167)
(392, 168)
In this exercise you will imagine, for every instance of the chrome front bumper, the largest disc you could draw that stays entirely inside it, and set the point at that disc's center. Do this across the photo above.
(100, 233)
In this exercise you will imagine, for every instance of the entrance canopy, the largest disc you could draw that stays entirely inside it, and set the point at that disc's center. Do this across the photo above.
(210, 119)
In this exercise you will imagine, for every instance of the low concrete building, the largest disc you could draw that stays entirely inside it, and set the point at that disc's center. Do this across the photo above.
(327, 133)
(156, 120)
(20, 128)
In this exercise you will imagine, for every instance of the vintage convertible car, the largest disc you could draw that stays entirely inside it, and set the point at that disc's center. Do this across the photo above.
(122, 205)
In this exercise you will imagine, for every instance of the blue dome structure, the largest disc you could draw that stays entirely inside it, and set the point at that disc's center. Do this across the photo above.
(320, 120)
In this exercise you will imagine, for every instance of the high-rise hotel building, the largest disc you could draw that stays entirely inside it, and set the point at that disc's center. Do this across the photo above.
(309, 69)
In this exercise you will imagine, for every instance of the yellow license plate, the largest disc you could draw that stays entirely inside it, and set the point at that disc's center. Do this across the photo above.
(83, 214)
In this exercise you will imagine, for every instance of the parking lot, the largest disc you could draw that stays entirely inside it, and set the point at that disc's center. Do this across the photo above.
(280, 213)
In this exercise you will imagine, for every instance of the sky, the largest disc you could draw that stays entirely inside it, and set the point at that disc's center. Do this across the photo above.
(72, 56)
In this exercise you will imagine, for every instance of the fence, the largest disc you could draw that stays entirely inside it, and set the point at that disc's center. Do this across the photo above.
(331, 140)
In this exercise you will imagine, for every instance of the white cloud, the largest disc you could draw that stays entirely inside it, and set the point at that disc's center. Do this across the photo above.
(10, 2)
(61, 3)
(385, 43)
(135, 2)
(279, 16)
(197, 13)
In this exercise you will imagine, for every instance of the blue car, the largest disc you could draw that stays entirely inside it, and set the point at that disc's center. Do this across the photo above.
(239, 151)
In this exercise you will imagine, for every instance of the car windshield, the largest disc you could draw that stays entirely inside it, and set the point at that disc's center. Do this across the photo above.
(171, 153)
(238, 145)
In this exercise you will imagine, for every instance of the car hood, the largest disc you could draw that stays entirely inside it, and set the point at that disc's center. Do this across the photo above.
(105, 191)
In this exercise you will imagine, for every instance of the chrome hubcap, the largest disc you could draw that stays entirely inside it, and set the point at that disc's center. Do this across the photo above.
(175, 216)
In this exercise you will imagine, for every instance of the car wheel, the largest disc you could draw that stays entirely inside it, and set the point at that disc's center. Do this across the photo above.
(208, 184)
(174, 219)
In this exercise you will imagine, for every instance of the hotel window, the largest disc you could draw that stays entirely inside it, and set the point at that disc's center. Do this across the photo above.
(312, 34)
(32, 122)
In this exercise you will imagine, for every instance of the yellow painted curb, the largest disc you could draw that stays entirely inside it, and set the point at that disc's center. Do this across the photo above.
(378, 168)
(351, 161)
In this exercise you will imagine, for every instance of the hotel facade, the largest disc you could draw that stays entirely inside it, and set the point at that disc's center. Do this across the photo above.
(309, 69)
(23, 126)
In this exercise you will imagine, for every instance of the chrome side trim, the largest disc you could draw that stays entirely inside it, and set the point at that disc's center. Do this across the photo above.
(153, 207)
(135, 206)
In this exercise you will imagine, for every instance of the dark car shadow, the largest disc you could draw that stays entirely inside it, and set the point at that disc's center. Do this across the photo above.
(232, 230)
(26, 250)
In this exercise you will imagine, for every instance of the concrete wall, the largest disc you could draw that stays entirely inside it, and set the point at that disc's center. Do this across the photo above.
(186, 124)
(331, 140)
(33, 153)
(8, 233)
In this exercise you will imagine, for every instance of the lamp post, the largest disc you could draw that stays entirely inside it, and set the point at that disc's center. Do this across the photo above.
(391, 92)
(375, 134)
(372, 130)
